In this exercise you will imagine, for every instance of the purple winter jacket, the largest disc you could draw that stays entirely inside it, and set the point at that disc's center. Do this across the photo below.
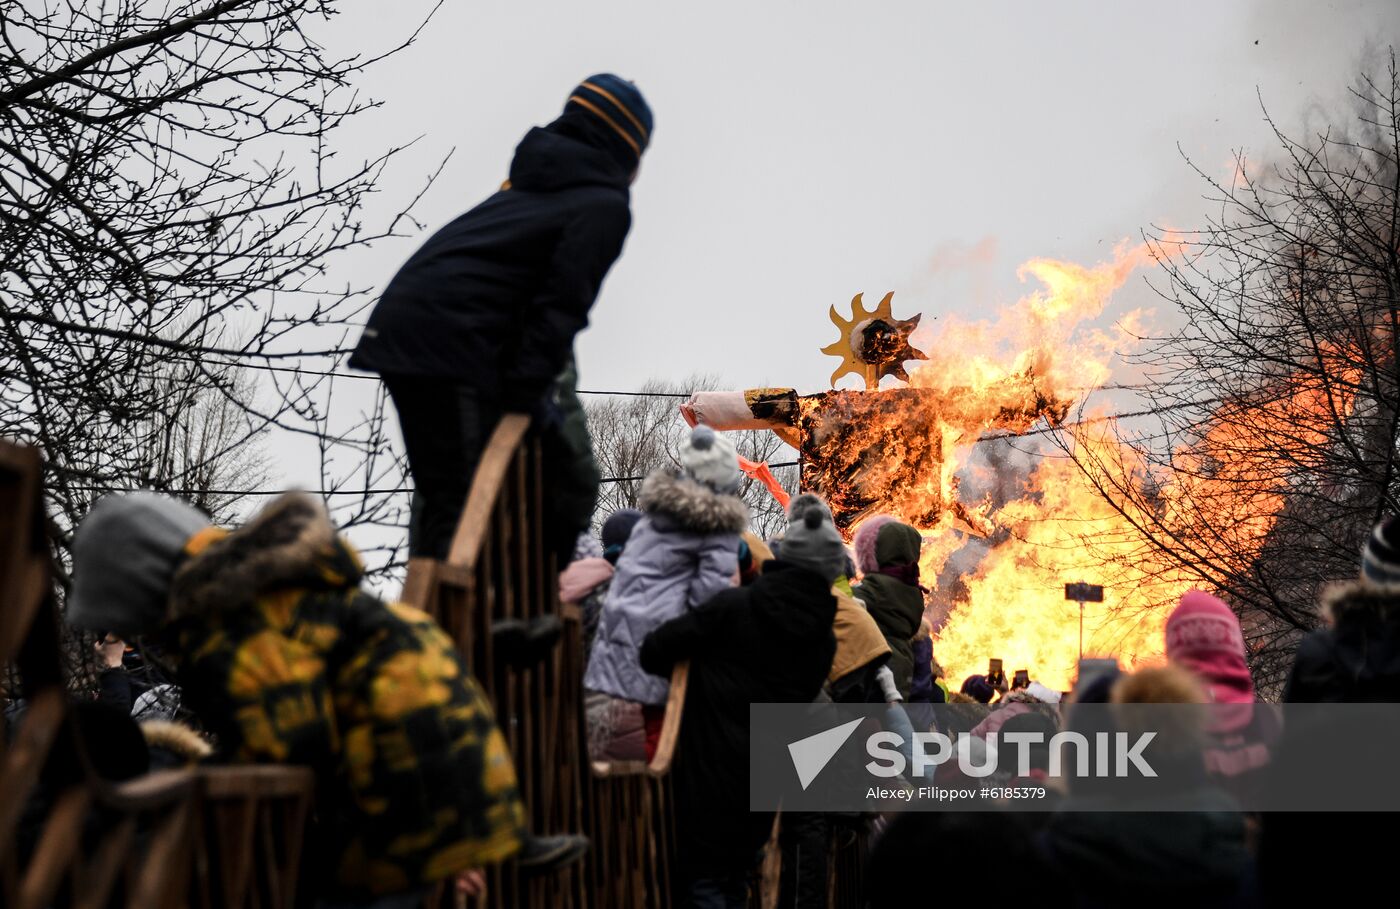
(683, 551)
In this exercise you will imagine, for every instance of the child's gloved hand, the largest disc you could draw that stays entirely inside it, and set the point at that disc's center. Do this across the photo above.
(885, 678)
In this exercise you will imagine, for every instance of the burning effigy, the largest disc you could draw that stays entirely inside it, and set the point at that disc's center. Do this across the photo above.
(1001, 539)
(882, 451)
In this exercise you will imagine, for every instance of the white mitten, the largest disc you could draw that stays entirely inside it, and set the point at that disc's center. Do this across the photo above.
(886, 679)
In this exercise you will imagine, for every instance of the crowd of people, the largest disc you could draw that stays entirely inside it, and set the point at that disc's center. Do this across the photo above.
(267, 636)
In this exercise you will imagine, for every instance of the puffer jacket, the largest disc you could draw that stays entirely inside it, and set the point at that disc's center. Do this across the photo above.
(683, 551)
(286, 660)
(495, 298)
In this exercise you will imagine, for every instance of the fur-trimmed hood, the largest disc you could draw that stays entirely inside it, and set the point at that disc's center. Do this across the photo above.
(691, 506)
(1356, 657)
(1350, 598)
(290, 543)
(176, 738)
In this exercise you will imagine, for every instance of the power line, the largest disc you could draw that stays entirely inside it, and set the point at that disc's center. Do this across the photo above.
(327, 493)
(122, 334)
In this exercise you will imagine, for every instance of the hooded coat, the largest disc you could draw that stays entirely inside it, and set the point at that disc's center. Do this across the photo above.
(286, 660)
(897, 607)
(494, 299)
(1357, 658)
(769, 642)
(683, 551)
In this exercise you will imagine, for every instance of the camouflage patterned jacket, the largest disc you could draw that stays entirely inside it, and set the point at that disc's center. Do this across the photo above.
(286, 660)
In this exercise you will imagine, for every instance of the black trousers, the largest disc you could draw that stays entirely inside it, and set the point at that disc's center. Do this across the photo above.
(445, 431)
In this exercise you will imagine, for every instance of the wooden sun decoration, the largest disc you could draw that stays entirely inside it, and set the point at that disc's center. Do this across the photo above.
(873, 343)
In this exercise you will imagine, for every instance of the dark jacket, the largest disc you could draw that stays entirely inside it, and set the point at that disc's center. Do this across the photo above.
(286, 660)
(769, 642)
(494, 299)
(1192, 854)
(1357, 659)
(898, 608)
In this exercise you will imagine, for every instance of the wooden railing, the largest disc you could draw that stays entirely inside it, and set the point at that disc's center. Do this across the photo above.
(232, 836)
(211, 837)
(499, 569)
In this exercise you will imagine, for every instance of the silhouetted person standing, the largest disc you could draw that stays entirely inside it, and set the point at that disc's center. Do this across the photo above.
(481, 319)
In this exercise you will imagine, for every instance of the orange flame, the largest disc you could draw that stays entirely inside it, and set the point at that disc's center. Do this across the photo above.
(905, 451)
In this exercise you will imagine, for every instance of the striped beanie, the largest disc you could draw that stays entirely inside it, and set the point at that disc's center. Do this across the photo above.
(1380, 557)
(618, 104)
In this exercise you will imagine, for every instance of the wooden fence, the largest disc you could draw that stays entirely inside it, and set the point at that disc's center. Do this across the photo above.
(211, 837)
(499, 569)
(231, 836)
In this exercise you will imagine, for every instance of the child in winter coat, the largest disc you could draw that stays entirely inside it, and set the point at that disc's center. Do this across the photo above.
(286, 659)
(887, 553)
(1204, 637)
(683, 551)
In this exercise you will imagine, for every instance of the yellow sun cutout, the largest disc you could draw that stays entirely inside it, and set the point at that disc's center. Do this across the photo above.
(873, 343)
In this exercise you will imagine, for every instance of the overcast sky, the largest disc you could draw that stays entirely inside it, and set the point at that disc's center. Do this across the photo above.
(806, 151)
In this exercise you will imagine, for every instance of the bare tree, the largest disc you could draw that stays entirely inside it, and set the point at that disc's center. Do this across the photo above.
(203, 435)
(636, 434)
(1276, 446)
(171, 199)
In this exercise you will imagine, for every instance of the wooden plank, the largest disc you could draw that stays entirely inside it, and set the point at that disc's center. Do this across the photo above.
(486, 482)
(53, 856)
(256, 780)
(113, 852)
(23, 761)
(418, 584)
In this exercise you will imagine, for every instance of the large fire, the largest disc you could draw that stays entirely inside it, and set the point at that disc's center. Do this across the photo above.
(1007, 523)
(997, 377)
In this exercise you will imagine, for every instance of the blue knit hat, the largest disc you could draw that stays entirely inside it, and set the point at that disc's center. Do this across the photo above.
(616, 531)
(617, 103)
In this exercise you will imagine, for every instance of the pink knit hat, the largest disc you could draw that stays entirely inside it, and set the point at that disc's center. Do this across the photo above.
(1204, 635)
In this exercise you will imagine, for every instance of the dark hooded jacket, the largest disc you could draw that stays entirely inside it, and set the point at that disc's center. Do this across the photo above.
(494, 299)
(769, 642)
(286, 660)
(896, 606)
(1357, 659)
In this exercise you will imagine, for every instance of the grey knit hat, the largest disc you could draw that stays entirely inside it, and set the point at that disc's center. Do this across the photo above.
(812, 540)
(125, 553)
(710, 458)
